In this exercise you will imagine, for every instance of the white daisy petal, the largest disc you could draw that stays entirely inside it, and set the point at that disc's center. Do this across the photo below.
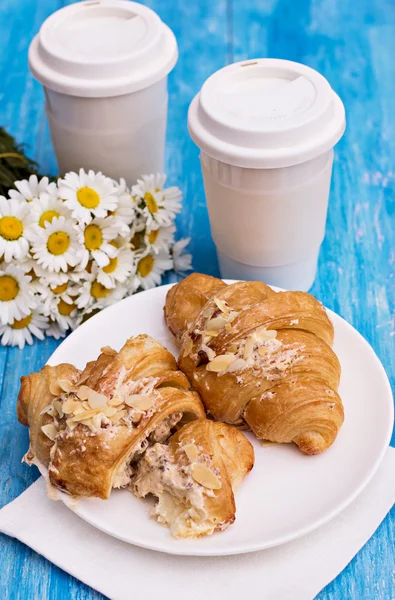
(150, 268)
(16, 295)
(182, 261)
(88, 195)
(21, 331)
(15, 229)
(158, 205)
(56, 246)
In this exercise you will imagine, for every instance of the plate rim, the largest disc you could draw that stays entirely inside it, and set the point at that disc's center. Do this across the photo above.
(298, 533)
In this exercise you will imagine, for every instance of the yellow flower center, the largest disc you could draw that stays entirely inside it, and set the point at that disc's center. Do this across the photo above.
(98, 290)
(112, 265)
(65, 309)
(47, 217)
(93, 237)
(59, 289)
(58, 243)
(151, 203)
(88, 198)
(145, 265)
(11, 228)
(153, 236)
(22, 323)
(9, 288)
(136, 241)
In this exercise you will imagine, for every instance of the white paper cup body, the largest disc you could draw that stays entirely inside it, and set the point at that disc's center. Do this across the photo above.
(104, 68)
(266, 135)
(268, 224)
(122, 136)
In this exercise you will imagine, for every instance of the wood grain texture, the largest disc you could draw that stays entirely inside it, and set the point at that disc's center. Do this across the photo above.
(353, 45)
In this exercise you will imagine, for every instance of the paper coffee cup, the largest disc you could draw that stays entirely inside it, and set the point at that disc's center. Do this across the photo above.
(266, 129)
(104, 67)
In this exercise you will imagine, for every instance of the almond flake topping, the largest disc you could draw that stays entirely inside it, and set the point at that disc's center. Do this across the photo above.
(109, 411)
(203, 475)
(211, 333)
(58, 407)
(221, 362)
(248, 348)
(216, 323)
(139, 401)
(191, 451)
(97, 400)
(115, 401)
(55, 388)
(49, 409)
(87, 414)
(221, 304)
(83, 392)
(49, 430)
(266, 334)
(118, 416)
(69, 406)
(65, 385)
(188, 345)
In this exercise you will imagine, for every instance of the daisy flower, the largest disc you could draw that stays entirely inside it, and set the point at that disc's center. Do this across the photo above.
(51, 295)
(65, 315)
(56, 246)
(29, 189)
(46, 208)
(160, 205)
(23, 330)
(94, 294)
(55, 330)
(181, 261)
(126, 208)
(118, 269)
(160, 238)
(16, 296)
(150, 268)
(88, 195)
(15, 229)
(95, 239)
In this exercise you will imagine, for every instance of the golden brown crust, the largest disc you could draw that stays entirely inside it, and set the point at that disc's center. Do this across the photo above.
(185, 300)
(232, 456)
(82, 461)
(299, 359)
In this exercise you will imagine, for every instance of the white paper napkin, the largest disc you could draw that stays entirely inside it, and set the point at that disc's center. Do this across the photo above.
(295, 571)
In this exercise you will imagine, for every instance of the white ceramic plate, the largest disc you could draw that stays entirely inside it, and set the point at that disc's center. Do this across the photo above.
(287, 494)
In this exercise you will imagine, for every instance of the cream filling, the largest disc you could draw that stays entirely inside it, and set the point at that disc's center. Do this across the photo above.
(160, 434)
(181, 500)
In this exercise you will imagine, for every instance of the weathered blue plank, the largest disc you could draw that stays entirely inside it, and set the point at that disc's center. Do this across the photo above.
(353, 45)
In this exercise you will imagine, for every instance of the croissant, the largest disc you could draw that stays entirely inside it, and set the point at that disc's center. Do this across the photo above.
(195, 476)
(260, 359)
(90, 427)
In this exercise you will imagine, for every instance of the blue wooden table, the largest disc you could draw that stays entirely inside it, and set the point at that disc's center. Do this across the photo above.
(353, 45)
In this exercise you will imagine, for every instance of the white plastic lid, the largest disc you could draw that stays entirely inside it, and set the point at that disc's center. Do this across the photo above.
(266, 113)
(102, 48)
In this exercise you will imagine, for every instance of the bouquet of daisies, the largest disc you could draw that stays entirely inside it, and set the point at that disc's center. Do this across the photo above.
(70, 248)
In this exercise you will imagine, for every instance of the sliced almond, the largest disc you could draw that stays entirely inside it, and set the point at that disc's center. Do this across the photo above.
(69, 406)
(49, 409)
(83, 392)
(139, 401)
(211, 333)
(49, 430)
(107, 350)
(233, 348)
(58, 406)
(228, 328)
(110, 411)
(207, 313)
(248, 348)
(191, 451)
(97, 400)
(187, 346)
(55, 389)
(87, 414)
(85, 405)
(216, 323)
(115, 401)
(262, 351)
(266, 334)
(65, 385)
(71, 424)
(220, 363)
(205, 477)
(266, 443)
(79, 410)
(221, 304)
(237, 365)
(120, 414)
